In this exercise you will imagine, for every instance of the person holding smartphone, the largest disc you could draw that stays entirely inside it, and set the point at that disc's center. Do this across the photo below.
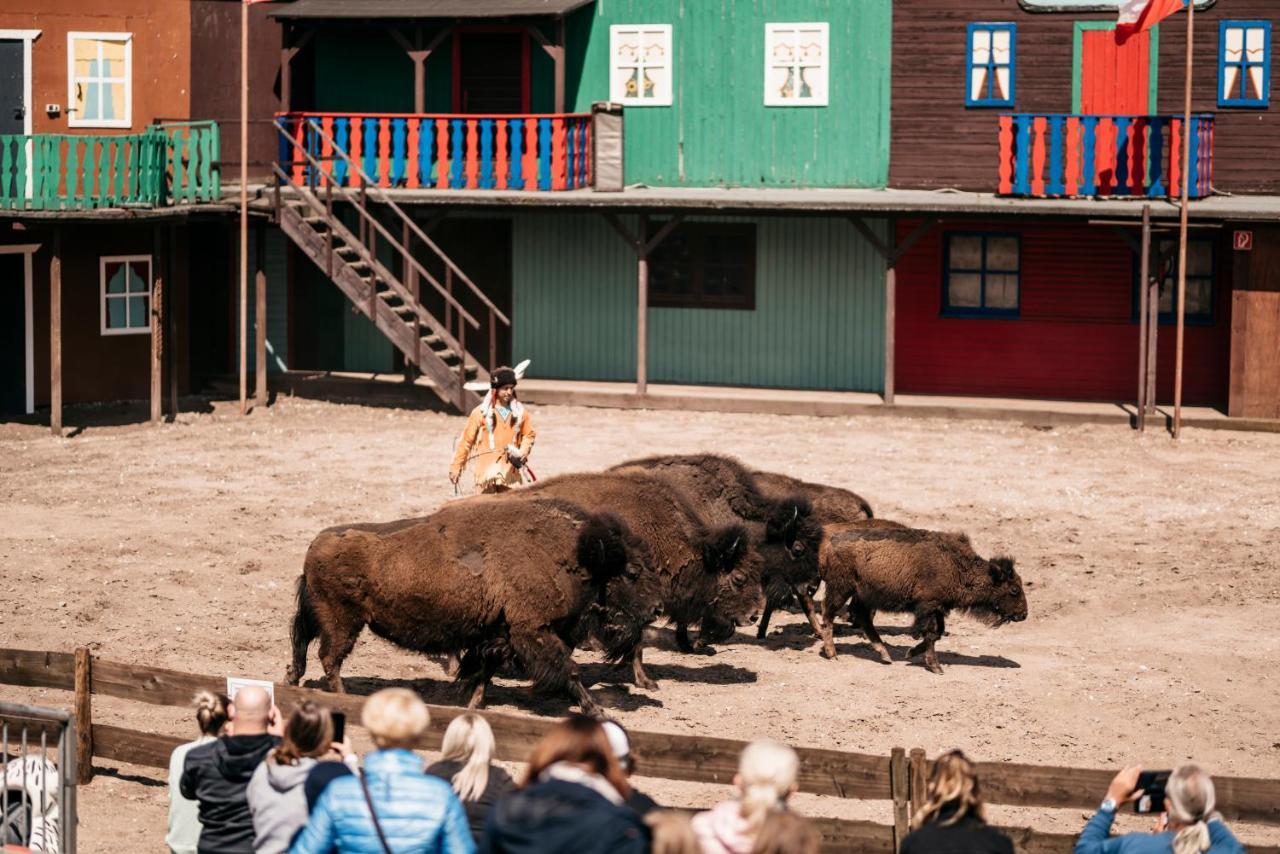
(1188, 825)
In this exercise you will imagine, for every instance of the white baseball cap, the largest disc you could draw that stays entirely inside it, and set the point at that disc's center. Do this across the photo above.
(618, 741)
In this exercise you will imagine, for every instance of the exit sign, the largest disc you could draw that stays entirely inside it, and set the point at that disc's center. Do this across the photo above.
(1243, 241)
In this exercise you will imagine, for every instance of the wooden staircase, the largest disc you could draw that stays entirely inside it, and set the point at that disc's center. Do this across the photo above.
(305, 211)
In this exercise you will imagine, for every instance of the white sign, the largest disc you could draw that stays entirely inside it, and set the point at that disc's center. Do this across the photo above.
(235, 683)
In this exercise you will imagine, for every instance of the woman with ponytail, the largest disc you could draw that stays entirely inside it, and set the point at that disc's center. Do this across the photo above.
(465, 763)
(766, 777)
(184, 813)
(1189, 824)
(952, 818)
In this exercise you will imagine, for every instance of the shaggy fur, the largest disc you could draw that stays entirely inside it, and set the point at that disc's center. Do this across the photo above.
(701, 570)
(831, 504)
(926, 573)
(781, 526)
(507, 581)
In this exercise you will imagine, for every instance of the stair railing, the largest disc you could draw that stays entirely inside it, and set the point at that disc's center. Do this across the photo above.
(370, 227)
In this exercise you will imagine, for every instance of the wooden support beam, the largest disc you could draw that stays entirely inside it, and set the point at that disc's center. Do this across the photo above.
(890, 322)
(84, 715)
(260, 317)
(642, 310)
(287, 53)
(899, 784)
(418, 54)
(1144, 265)
(623, 231)
(558, 58)
(55, 334)
(175, 261)
(918, 790)
(157, 323)
(885, 250)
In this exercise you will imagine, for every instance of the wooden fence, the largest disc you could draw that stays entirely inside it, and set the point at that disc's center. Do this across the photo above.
(898, 777)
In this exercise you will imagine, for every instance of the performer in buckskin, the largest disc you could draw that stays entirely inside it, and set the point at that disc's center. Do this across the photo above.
(498, 437)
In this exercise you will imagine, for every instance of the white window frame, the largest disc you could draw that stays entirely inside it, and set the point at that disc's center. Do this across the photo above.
(772, 99)
(102, 295)
(73, 118)
(617, 85)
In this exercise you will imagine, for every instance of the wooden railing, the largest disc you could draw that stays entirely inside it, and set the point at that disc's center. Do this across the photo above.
(160, 166)
(448, 151)
(1073, 155)
(897, 778)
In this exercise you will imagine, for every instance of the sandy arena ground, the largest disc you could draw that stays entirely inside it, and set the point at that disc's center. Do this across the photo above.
(1152, 571)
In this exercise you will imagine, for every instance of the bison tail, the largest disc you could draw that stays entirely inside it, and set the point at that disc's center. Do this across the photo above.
(724, 548)
(602, 548)
(304, 630)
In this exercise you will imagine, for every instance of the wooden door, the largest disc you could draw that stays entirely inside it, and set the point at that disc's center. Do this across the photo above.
(1115, 79)
(13, 335)
(13, 86)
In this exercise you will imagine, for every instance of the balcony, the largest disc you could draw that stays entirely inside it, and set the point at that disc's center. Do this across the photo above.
(164, 165)
(1056, 156)
(445, 151)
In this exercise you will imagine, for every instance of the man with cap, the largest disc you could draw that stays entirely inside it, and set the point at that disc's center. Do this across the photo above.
(620, 742)
(498, 436)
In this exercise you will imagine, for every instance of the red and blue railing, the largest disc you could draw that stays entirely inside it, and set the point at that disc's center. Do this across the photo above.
(447, 151)
(1071, 155)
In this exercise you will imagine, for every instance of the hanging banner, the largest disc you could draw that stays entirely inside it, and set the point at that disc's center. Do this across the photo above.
(1087, 5)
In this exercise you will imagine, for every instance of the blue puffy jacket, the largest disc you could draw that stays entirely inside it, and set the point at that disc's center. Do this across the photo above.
(418, 814)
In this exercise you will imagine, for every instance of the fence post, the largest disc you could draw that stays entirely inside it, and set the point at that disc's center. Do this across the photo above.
(918, 785)
(84, 715)
(898, 783)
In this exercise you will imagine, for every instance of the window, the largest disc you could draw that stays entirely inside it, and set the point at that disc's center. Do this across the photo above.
(99, 70)
(704, 265)
(1200, 265)
(126, 294)
(1244, 63)
(795, 65)
(990, 64)
(981, 273)
(640, 70)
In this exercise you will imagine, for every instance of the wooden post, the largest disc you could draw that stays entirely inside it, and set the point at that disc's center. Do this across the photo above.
(174, 260)
(411, 277)
(260, 318)
(157, 325)
(84, 715)
(642, 308)
(1153, 334)
(244, 208)
(919, 786)
(55, 335)
(890, 305)
(1182, 235)
(898, 782)
(558, 58)
(1144, 264)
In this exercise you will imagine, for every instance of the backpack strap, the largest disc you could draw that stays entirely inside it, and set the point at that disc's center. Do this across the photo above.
(382, 837)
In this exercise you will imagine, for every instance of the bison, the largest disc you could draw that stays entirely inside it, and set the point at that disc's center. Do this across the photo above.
(926, 573)
(701, 570)
(831, 504)
(781, 526)
(506, 581)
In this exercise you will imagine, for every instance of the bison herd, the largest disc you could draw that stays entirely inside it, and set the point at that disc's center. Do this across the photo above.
(518, 581)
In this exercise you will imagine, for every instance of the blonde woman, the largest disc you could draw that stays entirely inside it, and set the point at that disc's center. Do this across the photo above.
(184, 813)
(766, 778)
(1189, 824)
(952, 817)
(465, 762)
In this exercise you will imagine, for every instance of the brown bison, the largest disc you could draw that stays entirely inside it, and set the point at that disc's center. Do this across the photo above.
(831, 504)
(505, 581)
(701, 570)
(926, 573)
(781, 526)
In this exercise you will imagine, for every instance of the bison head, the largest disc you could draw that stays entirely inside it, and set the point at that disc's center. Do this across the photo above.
(1007, 602)
(736, 566)
(790, 548)
(629, 595)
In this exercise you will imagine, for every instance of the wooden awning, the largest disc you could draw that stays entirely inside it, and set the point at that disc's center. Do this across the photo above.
(311, 9)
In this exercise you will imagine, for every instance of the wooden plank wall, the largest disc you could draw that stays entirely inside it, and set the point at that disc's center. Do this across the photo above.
(1255, 327)
(938, 142)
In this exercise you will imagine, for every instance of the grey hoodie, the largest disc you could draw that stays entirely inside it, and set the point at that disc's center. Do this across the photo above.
(278, 804)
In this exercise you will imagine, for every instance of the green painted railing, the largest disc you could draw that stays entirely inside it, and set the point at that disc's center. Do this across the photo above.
(163, 165)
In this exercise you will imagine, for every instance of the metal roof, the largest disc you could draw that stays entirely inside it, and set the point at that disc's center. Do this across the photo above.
(422, 8)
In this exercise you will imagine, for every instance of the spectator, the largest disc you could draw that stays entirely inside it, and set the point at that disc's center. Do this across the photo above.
(786, 833)
(672, 833)
(1189, 825)
(393, 805)
(276, 799)
(184, 813)
(217, 774)
(465, 763)
(766, 778)
(621, 744)
(952, 818)
(572, 799)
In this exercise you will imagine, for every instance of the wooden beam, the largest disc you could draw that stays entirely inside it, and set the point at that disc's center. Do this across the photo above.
(920, 231)
(287, 53)
(558, 58)
(55, 334)
(418, 55)
(157, 323)
(642, 311)
(1144, 266)
(899, 785)
(622, 230)
(174, 260)
(663, 233)
(871, 237)
(260, 317)
(890, 319)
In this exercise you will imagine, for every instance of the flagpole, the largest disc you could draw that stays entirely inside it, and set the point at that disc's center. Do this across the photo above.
(244, 206)
(1182, 235)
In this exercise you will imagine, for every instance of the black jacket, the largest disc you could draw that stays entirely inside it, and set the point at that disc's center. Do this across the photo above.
(968, 836)
(500, 784)
(217, 775)
(559, 817)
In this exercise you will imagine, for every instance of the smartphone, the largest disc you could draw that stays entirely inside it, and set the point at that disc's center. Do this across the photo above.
(1151, 784)
(340, 727)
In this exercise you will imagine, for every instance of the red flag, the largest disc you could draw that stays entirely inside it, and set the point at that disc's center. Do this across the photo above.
(1139, 15)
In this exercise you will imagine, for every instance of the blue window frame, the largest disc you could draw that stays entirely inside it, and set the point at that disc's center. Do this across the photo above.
(981, 274)
(989, 65)
(1201, 267)
(1244, 63)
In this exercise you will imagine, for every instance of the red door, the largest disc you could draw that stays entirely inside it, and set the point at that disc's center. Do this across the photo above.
(1114, 78)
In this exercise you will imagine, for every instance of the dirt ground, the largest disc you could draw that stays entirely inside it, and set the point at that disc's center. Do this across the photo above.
(1152, 572)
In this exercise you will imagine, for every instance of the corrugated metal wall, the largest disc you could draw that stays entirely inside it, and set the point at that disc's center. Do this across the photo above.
(818, 321)
(277, 301)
